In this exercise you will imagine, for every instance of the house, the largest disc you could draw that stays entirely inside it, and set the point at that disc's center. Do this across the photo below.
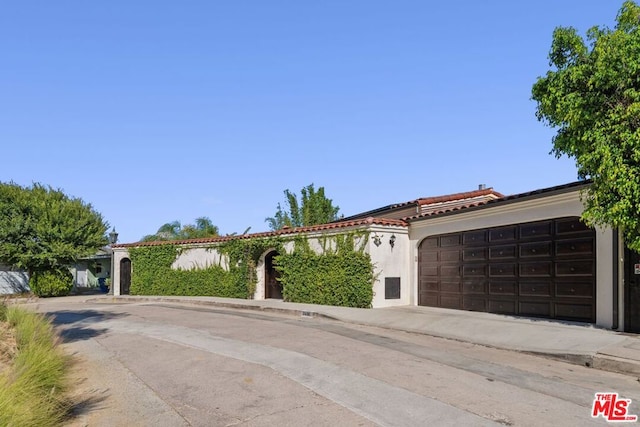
(92, 272)
(522, 255)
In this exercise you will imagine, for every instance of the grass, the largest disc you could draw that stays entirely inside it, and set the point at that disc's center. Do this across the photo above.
(33, 383)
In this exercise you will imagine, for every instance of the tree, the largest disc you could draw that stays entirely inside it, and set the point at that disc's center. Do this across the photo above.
(315, 208)
(592, 96)
(203, 227)
(42, 229)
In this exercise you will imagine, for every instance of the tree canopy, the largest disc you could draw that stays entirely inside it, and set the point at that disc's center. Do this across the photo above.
(203, 227)
(43, 229)
(314, 208)
(591, 96)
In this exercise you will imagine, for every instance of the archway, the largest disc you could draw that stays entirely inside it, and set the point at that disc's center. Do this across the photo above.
(125, 276)
(272, 287)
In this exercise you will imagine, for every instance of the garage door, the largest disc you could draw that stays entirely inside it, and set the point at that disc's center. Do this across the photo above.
(541, 269)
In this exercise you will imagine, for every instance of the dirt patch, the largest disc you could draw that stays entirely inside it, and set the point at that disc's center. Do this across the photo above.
(8, 346)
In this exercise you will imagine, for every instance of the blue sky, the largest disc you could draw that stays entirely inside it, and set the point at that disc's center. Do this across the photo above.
(155, 111)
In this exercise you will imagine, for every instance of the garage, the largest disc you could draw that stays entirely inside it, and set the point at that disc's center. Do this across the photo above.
(539, 269)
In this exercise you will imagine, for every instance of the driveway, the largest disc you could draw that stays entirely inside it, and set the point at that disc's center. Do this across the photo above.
(166, 364)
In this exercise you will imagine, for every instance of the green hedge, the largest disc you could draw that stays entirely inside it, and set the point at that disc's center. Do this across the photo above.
(152, 275)
(341, 275)
(51, 283)
(327, 279)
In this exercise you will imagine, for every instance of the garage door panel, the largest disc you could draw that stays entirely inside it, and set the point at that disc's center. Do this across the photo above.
(543, 269)
(429, 256)
(536, 308)
(502, 234)
(571, 226)
(475, 254)
(452, 287)
(536, 230)
(474, 287)
(502, 252)
(474, 270)
(574, 247)
(575, 268)
(426, 285)
(451, 301)
(502, 270)
(450, 256)
(450, 270)
(502, 306)
(429, 269)
(537, 289)
(581, 312)
(502, 288)
(574, 289)
(535, 269)
(453, 240)
(430, 243)
(535, 249)
(475, 238)
(474, 303)
(429, 300)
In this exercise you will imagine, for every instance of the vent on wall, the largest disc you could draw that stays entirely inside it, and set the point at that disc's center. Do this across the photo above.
(391, 288)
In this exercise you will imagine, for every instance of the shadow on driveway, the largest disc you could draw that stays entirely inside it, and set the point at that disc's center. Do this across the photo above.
(80, 325)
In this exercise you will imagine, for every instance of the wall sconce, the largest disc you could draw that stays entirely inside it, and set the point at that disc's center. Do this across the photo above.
(392, 240)
(377, 240)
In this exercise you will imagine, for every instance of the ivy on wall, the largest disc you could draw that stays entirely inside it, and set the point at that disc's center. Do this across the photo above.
(152, 273)
(341, 274)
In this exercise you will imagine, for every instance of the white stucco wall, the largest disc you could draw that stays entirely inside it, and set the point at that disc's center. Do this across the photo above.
(390, 262)
(118, 255)
(198, 258)
(520, 211)
(13, 281)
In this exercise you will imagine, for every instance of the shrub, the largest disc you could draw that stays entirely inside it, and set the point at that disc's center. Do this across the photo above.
(32, 390)
(51, 283)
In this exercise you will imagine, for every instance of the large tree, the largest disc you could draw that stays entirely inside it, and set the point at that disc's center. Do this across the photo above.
(203, 227)
(43, 229)
(314, 208)
(591, 96)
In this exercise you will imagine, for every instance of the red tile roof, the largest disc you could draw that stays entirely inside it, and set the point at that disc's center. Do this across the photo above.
(504, 199)
(283, 231)
(460, 196)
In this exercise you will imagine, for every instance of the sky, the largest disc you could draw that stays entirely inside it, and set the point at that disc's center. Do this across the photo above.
(157, 111)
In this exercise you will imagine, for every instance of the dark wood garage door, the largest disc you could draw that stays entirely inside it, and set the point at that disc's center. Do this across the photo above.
(541, 269)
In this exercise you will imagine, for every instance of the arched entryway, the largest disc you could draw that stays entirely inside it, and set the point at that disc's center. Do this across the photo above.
(125, 276)
(272, 287)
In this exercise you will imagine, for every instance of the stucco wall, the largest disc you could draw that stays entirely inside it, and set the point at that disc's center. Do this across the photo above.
(13, 281)
(519, 211)
(390, 262)
(197, 258)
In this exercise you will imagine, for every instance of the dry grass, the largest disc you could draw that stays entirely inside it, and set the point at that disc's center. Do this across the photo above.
(34, 381)
(8, 346)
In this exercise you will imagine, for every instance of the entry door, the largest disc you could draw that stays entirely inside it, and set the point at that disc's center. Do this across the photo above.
(125, 276)
(632, 291)
(273, 288)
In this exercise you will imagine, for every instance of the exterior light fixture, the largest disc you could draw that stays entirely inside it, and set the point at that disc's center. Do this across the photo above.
(113, 236)
(392, 240)
(377, 240)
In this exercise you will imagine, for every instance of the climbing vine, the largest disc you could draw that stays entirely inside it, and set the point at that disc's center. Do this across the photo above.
(340, 273)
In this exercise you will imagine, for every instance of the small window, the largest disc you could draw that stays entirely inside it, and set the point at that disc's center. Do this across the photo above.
(391, 288)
